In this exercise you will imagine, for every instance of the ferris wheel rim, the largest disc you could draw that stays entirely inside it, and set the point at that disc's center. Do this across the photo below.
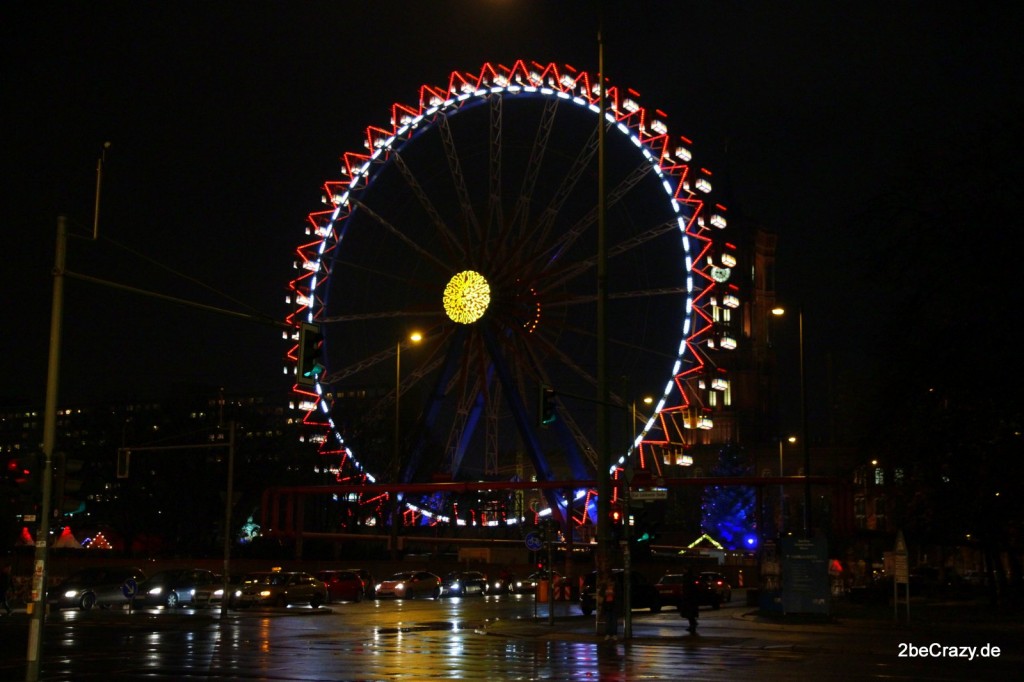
(462, 92)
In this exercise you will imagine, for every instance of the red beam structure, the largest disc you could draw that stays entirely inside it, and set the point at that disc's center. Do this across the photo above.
(285, 500)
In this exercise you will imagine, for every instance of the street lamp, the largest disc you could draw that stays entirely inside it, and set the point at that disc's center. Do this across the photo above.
(778, 310)
(414, 337)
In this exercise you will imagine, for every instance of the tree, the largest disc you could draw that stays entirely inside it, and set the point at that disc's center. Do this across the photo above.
(728, 510)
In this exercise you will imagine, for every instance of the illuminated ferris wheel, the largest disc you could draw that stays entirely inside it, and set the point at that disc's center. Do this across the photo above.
(471, 218)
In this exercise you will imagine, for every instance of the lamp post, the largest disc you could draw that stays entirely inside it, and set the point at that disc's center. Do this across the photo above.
(803, 419)
(414, 337)
(782, 496)
(627, 533)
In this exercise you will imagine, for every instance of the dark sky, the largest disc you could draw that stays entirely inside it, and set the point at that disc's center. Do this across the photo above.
(225, 118)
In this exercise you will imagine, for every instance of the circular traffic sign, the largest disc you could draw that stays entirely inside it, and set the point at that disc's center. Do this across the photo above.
(130, 588)
(533, 542)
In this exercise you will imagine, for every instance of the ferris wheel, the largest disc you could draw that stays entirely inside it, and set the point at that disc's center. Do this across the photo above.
(470, 218)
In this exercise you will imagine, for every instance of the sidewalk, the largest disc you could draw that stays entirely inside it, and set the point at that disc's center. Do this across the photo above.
(747, 621)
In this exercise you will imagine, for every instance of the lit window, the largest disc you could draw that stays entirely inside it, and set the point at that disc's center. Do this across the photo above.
(879, 476)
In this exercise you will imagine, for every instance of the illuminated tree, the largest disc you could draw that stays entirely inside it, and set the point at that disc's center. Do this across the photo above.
(728, 510)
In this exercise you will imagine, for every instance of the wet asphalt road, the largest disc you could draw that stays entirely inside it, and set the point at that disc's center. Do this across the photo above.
(488, 639)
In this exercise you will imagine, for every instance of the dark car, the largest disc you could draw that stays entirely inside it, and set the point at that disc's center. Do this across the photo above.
(409, 585)
(208, 595)
(174, 587)
(90, 587)
(342, 585)
(280, 588)
(716, 589)
(369, 584)
(464, 583)
(643, 594)
(503, 583)
(670, 588)
(528, 585)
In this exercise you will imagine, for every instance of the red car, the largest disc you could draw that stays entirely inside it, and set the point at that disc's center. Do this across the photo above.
(342, 585)
(670, 588)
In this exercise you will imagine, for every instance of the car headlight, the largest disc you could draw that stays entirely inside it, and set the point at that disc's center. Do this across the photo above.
(71, 594)
(265, 593)
(155, 591)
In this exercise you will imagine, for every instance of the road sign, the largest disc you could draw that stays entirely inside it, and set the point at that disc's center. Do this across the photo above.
(130, 588)
(649, 494)
(533, 542)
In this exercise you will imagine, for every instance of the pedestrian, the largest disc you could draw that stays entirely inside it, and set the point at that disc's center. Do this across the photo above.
(5, 588)
(690, 605)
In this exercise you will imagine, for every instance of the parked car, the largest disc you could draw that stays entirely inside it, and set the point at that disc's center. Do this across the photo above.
(409, 585)
(173, 587)
(213, 593)
(528, 585)
(342, 585)
(280, 588)
(643, 594)
(369, 584)
(716, 588)
(92, 587)
(464, 583)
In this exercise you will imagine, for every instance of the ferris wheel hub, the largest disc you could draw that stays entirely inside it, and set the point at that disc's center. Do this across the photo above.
(466, 297)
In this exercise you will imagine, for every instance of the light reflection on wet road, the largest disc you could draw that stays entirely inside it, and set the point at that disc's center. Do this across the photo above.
(444, 640)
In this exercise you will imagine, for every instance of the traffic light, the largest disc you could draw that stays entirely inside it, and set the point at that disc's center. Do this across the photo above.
(11, 468)
(546, 406)
(615, 522)
(22, 472)
(68, 488)
(311, 344)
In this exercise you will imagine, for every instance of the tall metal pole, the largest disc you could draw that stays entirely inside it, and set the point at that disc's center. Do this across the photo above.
(395, 468)
(227, 519)
(35, 630)
(627, 534)
(803, 421)
(603, 452)
(782, 492)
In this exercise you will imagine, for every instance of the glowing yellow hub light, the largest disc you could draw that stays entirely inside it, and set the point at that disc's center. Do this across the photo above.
(466, 297)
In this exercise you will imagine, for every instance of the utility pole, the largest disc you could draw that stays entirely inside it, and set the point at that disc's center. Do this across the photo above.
(38, 605)
(604, 575)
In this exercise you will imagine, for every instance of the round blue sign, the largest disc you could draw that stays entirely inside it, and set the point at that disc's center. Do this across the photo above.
(533, 542)
(130, 588)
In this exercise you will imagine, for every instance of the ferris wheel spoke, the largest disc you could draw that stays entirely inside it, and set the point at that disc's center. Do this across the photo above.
(540, 144)
(546, 256)
(570, 236)
(494, 221)
(401, 236)
(585, 265)
(380, 315)
(539, 235)
(472, 225)
(452, 244)
(620, 295)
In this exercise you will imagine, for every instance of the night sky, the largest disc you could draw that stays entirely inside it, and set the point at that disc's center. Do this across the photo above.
(824, 120)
